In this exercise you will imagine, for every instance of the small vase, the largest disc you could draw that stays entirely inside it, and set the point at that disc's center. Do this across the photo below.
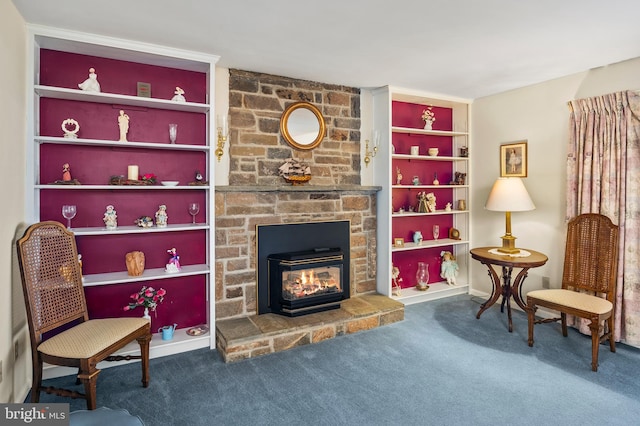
(146, 314)
(428, 125)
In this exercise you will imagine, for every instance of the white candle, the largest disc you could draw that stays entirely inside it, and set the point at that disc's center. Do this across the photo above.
(132, 173)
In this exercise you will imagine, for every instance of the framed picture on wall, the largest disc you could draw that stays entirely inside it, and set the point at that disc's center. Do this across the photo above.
(513, 159)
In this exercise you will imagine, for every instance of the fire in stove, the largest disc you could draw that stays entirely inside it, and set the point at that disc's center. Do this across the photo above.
(310, 282)
(305, 282)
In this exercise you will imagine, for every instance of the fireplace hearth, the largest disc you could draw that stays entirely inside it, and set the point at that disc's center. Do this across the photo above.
(305, 282)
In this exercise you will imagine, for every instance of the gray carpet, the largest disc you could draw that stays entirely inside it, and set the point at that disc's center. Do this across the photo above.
(440, 366)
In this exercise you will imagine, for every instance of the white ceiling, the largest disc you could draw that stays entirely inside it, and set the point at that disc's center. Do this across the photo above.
(464, 48)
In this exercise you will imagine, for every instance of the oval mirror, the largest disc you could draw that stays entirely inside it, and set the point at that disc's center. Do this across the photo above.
(302, 125)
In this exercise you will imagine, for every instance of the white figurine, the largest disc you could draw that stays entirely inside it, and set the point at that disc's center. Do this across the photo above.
(161, 216)
(90, 84)
(110, 218)
(123, 124)
(449, 267)
(447, 208)
(179, 95)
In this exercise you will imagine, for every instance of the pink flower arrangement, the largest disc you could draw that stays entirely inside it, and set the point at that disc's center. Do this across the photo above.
(148, 178)
(147, 297)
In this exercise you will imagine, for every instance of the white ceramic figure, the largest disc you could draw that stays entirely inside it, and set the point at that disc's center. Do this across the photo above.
(110, 218)
(179, 95)
(161, 216)
(123, 124)
(90, 84)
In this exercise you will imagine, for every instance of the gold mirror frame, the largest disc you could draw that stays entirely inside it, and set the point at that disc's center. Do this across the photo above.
(286, 126)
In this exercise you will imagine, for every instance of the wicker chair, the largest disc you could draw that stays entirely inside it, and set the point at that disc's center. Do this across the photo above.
(54, 297)
(588, 281)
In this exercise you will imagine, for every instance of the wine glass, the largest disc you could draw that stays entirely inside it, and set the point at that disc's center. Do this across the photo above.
(436, 231)
(173, 132)
(194, 209)
(68, 212)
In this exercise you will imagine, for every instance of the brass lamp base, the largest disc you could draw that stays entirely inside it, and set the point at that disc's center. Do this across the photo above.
(509, 245)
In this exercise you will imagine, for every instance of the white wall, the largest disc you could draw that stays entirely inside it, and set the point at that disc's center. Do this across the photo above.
(12, 170)
(538, 114)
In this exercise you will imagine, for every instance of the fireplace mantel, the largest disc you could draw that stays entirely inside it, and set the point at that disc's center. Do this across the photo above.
(301, 188)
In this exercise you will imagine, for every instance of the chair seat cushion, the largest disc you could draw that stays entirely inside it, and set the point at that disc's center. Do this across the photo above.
(573, 299)
(90, 337)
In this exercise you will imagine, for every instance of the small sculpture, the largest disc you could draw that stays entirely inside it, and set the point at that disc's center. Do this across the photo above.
(435, 179)
(174, 263)
(426, 202)
(395, 276)
(110, 218)
(398, 176)
(295, 172)
(179, 95)
(447, 208)
(161, 216)
(66, 173)
(123, 124)
(460, 178)
(449, 267)
(198, 176)
(144, 222)
(416, 180)
(70, 133)
(90, 84)
(135, 263)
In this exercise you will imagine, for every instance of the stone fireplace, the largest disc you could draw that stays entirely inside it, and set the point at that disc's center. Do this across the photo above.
(257, 196)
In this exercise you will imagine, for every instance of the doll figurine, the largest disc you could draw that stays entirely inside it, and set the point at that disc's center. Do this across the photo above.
(449, 267)
(110, 218)
(161, 216)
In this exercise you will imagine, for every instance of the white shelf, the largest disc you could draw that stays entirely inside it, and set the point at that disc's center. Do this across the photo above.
(428, 186)
(121, 187)
(409, 130)
(437, 212)
(128, 144)
(428, 157)
(115, 99)
(443, 242)
(439, 290)
(148, 275)
(138, 230)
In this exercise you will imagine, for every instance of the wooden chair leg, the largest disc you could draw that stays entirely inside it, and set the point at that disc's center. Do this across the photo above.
(37, 378)
(594, 326)
(531, 317)
(612, 343)
(144, 361)
(563, 320)
(90, 380)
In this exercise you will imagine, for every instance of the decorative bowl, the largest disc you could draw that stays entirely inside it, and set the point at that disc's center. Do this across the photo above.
(433, 152)
(170, 182)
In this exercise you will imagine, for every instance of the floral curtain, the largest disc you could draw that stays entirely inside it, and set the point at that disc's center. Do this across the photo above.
(603, 176)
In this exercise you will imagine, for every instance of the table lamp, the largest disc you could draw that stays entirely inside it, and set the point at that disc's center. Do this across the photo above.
(509, 195)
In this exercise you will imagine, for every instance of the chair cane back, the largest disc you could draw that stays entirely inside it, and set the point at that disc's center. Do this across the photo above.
(588, 281)
(59, 326)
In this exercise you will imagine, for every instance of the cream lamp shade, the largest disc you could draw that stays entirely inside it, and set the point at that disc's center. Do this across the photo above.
(509, 195)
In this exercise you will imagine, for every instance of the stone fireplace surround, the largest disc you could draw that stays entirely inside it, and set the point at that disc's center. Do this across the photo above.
(257, 196)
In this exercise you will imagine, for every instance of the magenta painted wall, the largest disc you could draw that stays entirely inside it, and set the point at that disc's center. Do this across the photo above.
(185, 303)
(409, 115)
